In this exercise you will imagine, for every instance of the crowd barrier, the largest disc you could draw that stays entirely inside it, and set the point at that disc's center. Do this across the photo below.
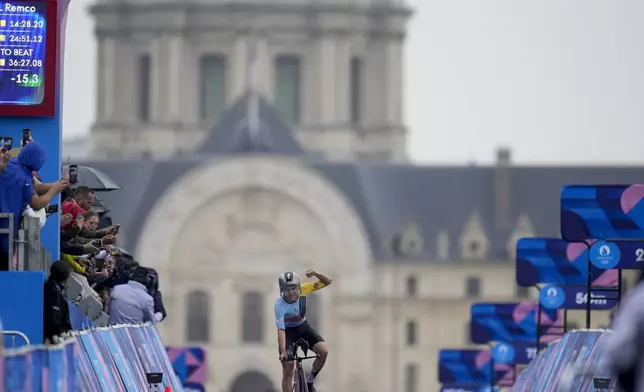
(569, 364)
(115, 359)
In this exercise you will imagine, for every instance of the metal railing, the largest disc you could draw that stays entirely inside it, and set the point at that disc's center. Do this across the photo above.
(9, 233)
(31, 256)
(15, 334)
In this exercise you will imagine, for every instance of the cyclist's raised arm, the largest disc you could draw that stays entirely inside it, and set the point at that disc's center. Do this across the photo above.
(323, 281)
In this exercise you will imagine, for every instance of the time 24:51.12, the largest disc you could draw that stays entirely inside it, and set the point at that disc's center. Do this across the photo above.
(25, 38)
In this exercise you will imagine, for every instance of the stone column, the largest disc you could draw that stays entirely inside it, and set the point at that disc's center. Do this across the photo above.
(237, 68)
(375, 63)
(178, 64)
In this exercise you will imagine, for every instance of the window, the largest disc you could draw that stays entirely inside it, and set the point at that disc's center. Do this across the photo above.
(144, 75)
(412, 333)
(523, 292)
(442, 245)
(287, 87)
(313, 310)
(411, 378)
(213, 87)
(412, 286)
(253, 318)
(198, 328)
(473, 287)
(356, 90)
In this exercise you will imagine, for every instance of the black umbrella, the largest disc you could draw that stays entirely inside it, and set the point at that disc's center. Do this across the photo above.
(99, 207)
(95, 179)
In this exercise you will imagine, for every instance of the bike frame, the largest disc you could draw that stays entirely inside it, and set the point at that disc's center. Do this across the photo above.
(301, 385)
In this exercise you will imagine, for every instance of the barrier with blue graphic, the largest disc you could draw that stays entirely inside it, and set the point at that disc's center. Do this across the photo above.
(105, 359)
(569, 364)
(553, 260)
(465, 367)
(602, 212)
(514, 323)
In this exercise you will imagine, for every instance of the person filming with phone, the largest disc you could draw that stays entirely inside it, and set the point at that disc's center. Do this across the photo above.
(18, 190)
(78, 204)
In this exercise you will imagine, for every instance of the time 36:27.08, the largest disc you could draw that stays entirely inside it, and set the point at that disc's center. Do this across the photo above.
(24, 63)
(25, 38)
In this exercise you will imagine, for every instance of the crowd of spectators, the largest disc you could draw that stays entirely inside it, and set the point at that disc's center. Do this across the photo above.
(89, 247)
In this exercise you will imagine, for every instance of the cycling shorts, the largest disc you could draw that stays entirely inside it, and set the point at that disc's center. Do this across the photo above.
(303, 331)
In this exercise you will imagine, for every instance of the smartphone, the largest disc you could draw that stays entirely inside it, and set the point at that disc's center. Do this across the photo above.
(8, 144)
(116, 229)
(100, 264)
(51, 209)
(26, 135)
(73, 174)
(79, 216)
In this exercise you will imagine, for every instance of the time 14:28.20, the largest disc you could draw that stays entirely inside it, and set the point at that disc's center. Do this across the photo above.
(27, 23)
(25, 38)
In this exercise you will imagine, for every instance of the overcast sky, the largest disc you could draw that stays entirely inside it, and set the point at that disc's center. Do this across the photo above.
(556, 81)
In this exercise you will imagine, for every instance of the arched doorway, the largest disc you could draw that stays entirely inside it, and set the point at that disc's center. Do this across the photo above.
(252, 382)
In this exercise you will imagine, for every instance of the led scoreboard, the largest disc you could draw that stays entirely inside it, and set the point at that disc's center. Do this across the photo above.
(27, 58)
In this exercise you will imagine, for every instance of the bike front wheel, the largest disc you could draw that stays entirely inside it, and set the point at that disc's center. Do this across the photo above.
(300, 385)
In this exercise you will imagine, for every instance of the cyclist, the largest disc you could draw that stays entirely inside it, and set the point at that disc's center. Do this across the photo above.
(290, 317)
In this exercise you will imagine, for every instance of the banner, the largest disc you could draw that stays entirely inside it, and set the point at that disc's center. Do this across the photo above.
(576, 298)
(57, 368)
(602, 212)
(99, 360)
(153, 356)
(121, 366)
(524, 353)
(125, 342)
(161, 356)
(16, 374)
(617, 254)
(464, 366)
(190, 366)
(468, 388)
(553, 260)
(514, 323)
(105, 369)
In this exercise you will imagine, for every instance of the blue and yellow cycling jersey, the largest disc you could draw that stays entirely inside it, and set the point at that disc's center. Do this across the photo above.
(292, 315)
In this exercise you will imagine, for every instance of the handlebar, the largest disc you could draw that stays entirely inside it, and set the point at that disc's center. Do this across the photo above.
(300, 359)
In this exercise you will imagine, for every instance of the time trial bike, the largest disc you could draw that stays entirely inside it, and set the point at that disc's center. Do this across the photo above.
(299, 383)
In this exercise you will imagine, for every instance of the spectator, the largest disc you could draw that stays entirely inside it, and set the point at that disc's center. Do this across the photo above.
(131, 303)
(4, 159)
(105, 298)
(78, 204)
(78, 239)
(153, 289)
(91, 221)
(56, 310)
(18, 190)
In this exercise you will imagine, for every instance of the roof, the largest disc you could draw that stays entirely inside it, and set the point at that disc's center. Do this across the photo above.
(233, 134)
(386, 197)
